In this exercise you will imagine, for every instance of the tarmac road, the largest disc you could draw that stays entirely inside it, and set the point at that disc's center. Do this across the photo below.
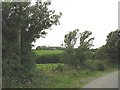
(107, 81)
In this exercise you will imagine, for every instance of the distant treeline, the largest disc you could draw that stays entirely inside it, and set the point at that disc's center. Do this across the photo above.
(49, 48)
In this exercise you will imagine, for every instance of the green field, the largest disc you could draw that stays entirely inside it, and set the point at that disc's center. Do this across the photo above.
(48, 52)
(47, 56)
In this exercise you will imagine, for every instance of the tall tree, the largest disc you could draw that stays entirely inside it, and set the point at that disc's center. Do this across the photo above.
(76, 57)
(83, 52)
(112, 46)
(70, 39)
(85, 40)
(23, 24)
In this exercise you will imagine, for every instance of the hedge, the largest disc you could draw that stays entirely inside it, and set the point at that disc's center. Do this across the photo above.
(52, 58)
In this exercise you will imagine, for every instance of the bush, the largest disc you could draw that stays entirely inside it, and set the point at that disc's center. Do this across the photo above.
(68, 57)
(100, 67)
(17, 64)
(95, 65)
(59, 68)
(90, 65)
(10, 60)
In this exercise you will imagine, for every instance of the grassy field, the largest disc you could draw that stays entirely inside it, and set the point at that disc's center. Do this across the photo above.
(48, 56)
(48, 52)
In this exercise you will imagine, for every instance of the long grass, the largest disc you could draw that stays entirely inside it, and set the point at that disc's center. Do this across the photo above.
(69, 78)
(47, 76)
(48, 67)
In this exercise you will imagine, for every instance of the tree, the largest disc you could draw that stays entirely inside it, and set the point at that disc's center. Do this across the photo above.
(100, 53)
(23, 24)
(83, 51)
(85, 41)
(112, 46)
(76, 57)
(70, 39)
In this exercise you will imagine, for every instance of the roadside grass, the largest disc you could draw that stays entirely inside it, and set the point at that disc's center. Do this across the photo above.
(59, 75)
(69, 78)
(53, 78)
(48, 67)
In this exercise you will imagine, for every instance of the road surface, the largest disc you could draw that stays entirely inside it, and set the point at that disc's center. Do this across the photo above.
(107, 81)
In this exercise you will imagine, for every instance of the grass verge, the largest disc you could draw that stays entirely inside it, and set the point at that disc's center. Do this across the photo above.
(69, 78)
(54, 78)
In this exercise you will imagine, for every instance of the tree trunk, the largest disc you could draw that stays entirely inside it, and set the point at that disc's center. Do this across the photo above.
(19, 46)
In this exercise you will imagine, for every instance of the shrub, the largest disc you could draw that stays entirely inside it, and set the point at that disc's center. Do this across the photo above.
(100, 67)
(68, 57)
(17, 64)
(59, 68)
(95, 65)
(90, 65)
(74, 57)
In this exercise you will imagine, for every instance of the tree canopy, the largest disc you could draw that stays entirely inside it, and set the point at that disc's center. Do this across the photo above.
(112, 45)
(23, 23)
(70, 39)
(110, 51)
(77, 56)
(85, 40)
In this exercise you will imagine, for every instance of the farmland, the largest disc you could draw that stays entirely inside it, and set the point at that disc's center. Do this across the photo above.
(48, 52)
(48, 56)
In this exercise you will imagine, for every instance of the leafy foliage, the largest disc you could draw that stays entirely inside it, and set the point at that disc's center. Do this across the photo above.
(110, 51)
(23, 24)
(76, 57)
(112, 46)
(85, 41)
(83, 51)
(70, 39)
(69, 57)
(95, 65)
(101, 53)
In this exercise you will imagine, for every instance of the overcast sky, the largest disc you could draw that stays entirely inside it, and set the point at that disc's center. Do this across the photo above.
(98, 16)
